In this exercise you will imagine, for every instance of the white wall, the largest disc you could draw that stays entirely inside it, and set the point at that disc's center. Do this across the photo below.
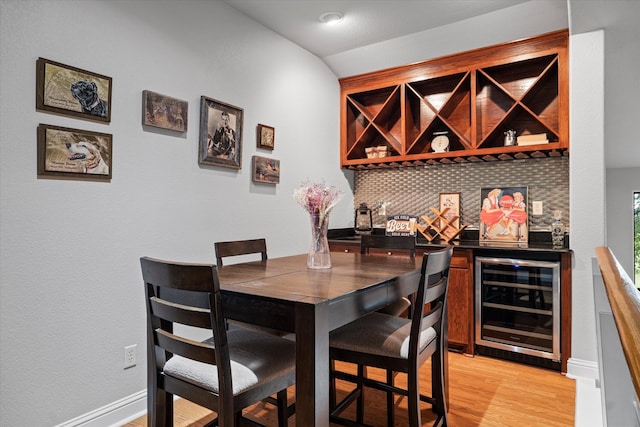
(621, 184)
(71, 291)
(504, 25)
(586, 183)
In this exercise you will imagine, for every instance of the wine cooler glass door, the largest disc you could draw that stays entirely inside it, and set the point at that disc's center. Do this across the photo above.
(518, 306)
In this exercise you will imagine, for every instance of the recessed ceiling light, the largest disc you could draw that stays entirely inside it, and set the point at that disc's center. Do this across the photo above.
(331, 17)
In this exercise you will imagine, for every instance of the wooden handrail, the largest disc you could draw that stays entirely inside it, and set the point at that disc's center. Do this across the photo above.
(624, 299)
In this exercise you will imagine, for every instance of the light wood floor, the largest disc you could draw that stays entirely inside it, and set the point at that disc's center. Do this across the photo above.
(483, 392)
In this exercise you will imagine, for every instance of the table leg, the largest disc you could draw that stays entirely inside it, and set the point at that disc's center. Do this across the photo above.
(312, 364)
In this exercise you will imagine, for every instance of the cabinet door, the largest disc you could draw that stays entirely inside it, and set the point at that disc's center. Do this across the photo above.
(460, 302)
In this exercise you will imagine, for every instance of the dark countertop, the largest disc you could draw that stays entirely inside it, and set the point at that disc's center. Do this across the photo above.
(538, 242)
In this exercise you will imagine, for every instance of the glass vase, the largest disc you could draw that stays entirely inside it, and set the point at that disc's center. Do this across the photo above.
(319, 254)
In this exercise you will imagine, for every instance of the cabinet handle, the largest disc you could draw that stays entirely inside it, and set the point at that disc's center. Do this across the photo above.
(346, 250)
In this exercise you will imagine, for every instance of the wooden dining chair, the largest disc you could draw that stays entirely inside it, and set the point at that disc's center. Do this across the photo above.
(396, 344)
(225, 373)
(246, 247)
(240, 247)
(407, 246)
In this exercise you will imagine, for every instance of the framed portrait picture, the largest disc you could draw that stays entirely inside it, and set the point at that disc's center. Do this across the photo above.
(451, 201)
(220, 134)
(70, 91)
(164, 111)
(503, 214)
(265, 170)
(266, 137)
(74, 153)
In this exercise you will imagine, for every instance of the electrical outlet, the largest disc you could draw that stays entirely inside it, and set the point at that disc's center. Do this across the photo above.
(130, 356)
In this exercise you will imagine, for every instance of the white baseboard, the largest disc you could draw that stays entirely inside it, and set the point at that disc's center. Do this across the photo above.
(588, 400)
(114, 414)
(578, 368)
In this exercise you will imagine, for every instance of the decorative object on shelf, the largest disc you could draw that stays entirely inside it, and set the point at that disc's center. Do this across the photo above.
(440, 142)
(401, 225)
(220, 134)
(440, 225)
(503, 214)
(318, 199)
(74, 154)
(363, 219)
(376, 152)
(557, 229)
(266, 137)
(452, 202)
(509, 138)
(539, 138)
(265, 170)
(70, 91)
(164, 111)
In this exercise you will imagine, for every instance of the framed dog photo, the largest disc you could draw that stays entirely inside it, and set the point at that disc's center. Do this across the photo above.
(74, 153)
(220, 134)
(164, 112)
(265, 170)
(70, 91)
(266, 137)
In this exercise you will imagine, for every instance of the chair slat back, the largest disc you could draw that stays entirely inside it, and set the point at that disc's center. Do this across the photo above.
(431, 295)
(240, 247)
(368, 241)
(186, 294)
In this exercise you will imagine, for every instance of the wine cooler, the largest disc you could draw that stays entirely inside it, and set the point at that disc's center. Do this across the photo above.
(518, 307)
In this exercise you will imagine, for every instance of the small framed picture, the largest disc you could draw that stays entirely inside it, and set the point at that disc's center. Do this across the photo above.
(220, 134)
(164, 112)
(503, 214)
(70, 91)
(74, 153)
(265, 170)
(451, 201)
(266, 137)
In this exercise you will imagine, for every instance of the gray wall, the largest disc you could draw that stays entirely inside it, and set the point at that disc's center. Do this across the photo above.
(72, 295)
(70, 291)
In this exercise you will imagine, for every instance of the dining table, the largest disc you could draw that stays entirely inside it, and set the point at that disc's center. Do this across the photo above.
(284, 294)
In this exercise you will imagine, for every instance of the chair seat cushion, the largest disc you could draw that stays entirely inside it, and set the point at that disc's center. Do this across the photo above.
(380, 334)
(256, 358)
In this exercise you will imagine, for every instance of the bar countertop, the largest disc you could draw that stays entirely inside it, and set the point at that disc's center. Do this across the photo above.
(538, 241)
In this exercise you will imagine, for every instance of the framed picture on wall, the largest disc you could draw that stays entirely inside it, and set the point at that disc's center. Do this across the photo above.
(265, 170)
(74, 153)
(503, 214)
(71, 91)
(220, 134)
(164, 111)
(266, 137)
(450, 201)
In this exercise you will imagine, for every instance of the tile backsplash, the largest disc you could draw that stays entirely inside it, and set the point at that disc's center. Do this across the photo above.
(413, 190)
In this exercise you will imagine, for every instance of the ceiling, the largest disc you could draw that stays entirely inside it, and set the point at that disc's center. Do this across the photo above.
(365, 21)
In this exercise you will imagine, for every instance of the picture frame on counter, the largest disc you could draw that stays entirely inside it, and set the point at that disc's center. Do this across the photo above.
(164, 112)
(452, 216)
(71, 91)
(265, 170)
(220, 134)
(504, 215)
(74, 153)
(266, 137)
